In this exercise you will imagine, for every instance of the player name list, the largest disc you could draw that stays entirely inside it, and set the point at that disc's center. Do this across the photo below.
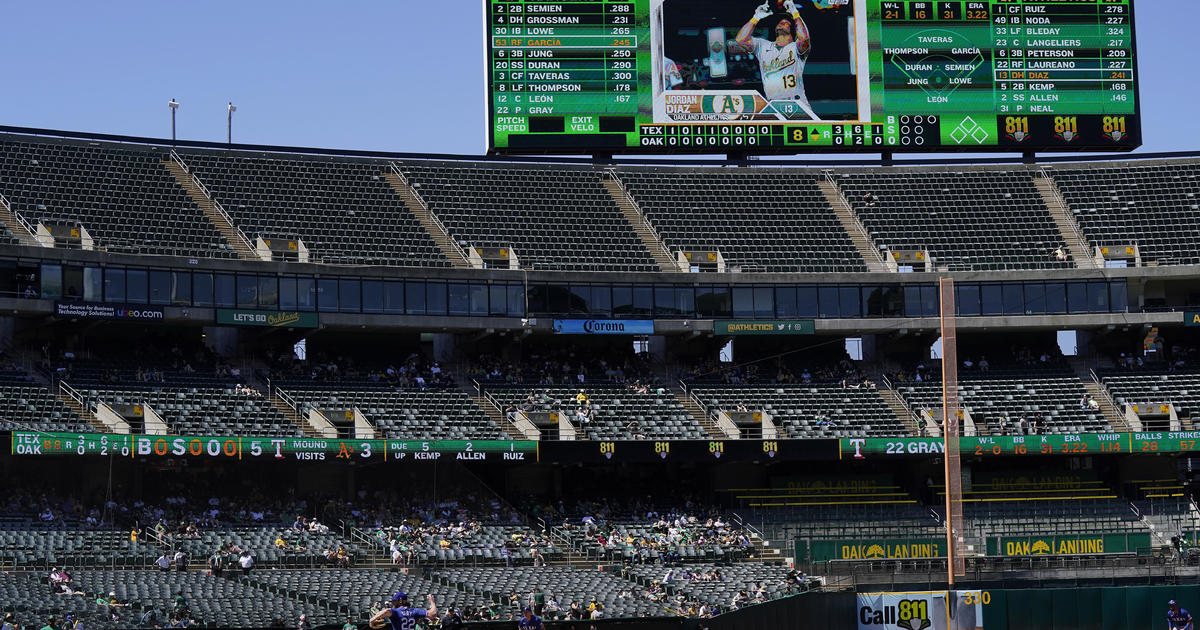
(1008, 56)
(562, 59)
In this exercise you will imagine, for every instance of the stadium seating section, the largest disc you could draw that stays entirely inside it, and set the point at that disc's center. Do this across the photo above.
(989, 400)
(1180, 388)
(853, 412)
(553, 218)
(411, 414)
(201, 410)
(615, 408)
(27, 405)
(125, 198)
(1154, 206)
(343, 210)
(759, 219)
(976, 220)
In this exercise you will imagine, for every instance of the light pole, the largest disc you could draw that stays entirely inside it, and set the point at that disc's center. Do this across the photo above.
(174, 105)
(229, 123)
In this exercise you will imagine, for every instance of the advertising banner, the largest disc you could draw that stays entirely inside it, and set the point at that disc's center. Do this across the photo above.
(95, 310)
(921, 610)
(278, 319)
(604, 326)
(764, 327)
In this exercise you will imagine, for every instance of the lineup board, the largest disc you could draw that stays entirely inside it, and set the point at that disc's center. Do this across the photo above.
(700, 76)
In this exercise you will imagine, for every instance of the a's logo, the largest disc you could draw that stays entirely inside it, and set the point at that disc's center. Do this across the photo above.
(857, 443)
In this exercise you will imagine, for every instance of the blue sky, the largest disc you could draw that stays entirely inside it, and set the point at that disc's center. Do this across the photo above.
(393, 75)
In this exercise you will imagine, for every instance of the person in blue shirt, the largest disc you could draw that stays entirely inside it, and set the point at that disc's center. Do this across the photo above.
(1178, 618)
(530, 621)
(400, 615)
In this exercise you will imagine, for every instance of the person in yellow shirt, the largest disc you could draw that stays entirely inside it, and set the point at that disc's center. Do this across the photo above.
(280, 543)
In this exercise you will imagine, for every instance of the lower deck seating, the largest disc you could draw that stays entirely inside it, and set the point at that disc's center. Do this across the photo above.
(798, 409)
(566, 584)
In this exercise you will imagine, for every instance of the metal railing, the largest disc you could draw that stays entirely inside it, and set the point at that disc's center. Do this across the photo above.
(913, 414)
(72, 393)
(858, 225)
(1106, 400)
(1066, 209)
(288, 400)
(19, 219)
(412, 192)
(612, 174)
(220, 210)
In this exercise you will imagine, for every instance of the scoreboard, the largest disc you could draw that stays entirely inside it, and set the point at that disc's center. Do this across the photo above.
(796, 76)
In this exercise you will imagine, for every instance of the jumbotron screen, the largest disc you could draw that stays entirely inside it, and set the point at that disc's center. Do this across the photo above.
(799, 76)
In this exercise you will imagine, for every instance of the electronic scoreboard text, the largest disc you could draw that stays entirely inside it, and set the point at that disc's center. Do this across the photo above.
(724, 76)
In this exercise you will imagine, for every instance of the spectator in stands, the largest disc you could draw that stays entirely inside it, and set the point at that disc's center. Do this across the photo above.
(51, 624)
(111, 605)
(246, 561)
(303, 623)
(180, 560)
(869, 200)
(163, 562)
(216, 563)
(9, 623)
(1060, 254)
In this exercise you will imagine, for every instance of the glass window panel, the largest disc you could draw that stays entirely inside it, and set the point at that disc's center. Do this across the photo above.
(849, 301)
(287, 294)
(414, 297)
(1118, 292)
(393, 296)
(327, 294)
(247, 291)
(893, 302)
(223, 290)
(516, 300)
(602, 300)
(1077, 297)
(912, 301)
(764, 302)
(743, 302)
(306, 294)
(992, 298)
(785, 302)
(539, 299)
(643, 300)
(664, 301)
(181, 288)
(1056, 297)
(349, 296)
(560, 299)
(135, 286)
(580, 300)
(268, 291)
(460, 299)
(806, 301)
(967, 299)
(1035, 298)
(872, 299)
(51, 282)
(372, 296)
(704, 301)
(73, 283)
(685, 301)
(202, 289)
(497, 301)
(722, 301)
(160, 286)
(435, 298)
(828, 301)
(1014, 299)
(931, 303)
(479, 300)
(1098, 297)
(114, 285)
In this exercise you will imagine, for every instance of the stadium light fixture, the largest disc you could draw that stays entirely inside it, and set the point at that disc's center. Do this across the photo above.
(174, 105)
(230, 108)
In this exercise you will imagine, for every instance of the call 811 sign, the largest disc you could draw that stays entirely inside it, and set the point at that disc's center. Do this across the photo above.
(790, 76)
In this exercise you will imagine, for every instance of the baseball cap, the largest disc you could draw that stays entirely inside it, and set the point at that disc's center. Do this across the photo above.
(528, 609)
(399, 595)
(1172, 603)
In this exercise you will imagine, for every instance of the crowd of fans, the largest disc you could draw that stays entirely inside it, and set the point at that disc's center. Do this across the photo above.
(414, 371)
(563, 367)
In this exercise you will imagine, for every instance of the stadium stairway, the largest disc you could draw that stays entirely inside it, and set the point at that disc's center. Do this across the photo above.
(637, 220)
(496, 415)
(292, 415)
(896, 404)
(1112, 413)
(854, 228)
(698, 412)
(1065, 221)
(81, 410)
(232, 235)
(18, 227)
(420, 210)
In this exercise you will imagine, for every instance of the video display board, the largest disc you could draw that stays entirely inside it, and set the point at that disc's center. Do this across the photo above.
(797, 76)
